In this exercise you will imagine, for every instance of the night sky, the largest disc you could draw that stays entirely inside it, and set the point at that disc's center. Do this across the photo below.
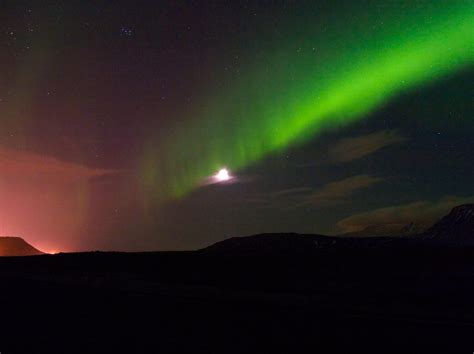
(329, 116)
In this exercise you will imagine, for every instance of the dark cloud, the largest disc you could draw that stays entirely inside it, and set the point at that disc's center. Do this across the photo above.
(338, 192)
(349, 149)
(422, 212)
(328, 195)
(292, 192)
(279, 199)
(20, 164)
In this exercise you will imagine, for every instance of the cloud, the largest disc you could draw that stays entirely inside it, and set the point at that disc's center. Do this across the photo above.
(291, 191)
(339, 192)
(349, 149)
(425, 212)
(278, 199)
(330, 194)
(20, 164)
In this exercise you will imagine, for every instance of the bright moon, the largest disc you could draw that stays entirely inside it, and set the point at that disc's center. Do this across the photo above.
(223, 175)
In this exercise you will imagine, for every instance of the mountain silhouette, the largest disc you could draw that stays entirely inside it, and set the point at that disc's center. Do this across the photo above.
(271, 243)
(456, 229)
(16, 246)
(390, 230)
(293, 243)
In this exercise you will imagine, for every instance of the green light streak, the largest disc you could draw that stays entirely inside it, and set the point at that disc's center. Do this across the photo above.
(290, 94)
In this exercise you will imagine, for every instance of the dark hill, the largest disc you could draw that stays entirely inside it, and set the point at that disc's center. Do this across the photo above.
(345, 293)
(271, 243)
(455, 229)
(16, 246)
(389, 230)
(292, 243)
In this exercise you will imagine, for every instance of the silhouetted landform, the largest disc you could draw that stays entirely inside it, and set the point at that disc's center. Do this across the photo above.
(455, 229)
(16, 246)
(413, 298)
(389, 230)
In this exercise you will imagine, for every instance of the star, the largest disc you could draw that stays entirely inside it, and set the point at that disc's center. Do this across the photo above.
(126, 31)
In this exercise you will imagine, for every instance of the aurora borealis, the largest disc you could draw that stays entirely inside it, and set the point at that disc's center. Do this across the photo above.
(170, 125)
(239, 174)
(307, 81)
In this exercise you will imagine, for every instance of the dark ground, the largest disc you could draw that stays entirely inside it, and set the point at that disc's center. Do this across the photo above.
(407, 300)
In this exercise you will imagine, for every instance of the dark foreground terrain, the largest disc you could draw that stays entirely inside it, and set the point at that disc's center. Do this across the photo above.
(411, 299)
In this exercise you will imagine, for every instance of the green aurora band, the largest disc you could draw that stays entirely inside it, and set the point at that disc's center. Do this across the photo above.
(312, 81)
